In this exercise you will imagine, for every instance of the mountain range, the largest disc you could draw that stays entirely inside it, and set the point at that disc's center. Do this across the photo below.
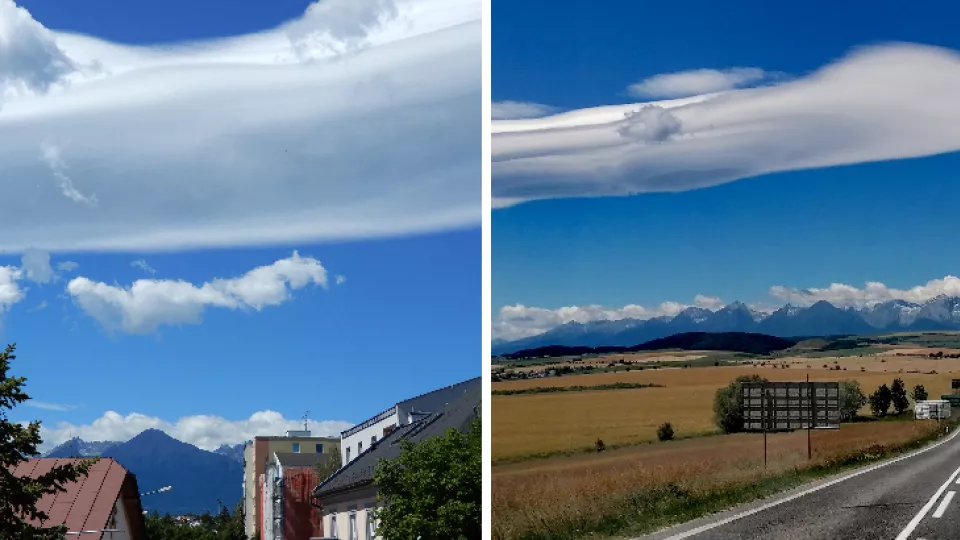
(200, 479)
(819, 319)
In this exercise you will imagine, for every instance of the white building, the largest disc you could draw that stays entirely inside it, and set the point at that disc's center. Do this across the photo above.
(348, 499)
(362, 436)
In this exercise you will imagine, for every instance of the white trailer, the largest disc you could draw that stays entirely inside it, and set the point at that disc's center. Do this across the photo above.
(932, 409)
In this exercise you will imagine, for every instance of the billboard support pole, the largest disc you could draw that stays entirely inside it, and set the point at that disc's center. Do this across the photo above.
(812, 417)
(764, 418)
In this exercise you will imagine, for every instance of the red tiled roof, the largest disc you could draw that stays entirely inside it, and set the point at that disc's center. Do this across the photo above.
(86, 504)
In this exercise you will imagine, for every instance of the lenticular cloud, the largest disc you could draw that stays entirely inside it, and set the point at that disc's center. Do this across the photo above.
(880, 103)
(361, 118)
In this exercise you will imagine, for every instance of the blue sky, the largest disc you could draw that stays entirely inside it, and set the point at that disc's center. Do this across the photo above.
(862, 221)
(293, 254)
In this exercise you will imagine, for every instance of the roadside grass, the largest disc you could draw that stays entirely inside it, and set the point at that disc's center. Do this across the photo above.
(640, 489)
(555, 389)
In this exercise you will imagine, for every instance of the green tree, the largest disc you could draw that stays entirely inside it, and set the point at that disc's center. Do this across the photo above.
(852, 399)
(728, 404)
(919, 393)
(433, 490)
(19, 496)
(898, 396)
(326, 468)
(880, 401)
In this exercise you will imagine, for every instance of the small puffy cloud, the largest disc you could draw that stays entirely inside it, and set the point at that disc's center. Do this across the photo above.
(707, 302)
(148, 304)
(650, 124)
(873, 292)
(67, 266)
(36, 264)
(519, 321)
(338, 26)
(39, 307)
(217, 143)
(695, 82)
(340, 280)
(30, 60)
(142, 265)
(507, 110)
(880, 103)
(10, 290)
(204, 431)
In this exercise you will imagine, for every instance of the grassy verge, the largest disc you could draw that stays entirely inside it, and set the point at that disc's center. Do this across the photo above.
(552, 389)
(634, 513)
(592, 449)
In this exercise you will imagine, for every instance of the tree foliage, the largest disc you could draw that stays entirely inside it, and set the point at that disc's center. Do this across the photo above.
(222, 526)
(898, 396)
(880, 401)
(433, 490)
(326, 468)
(728, 404)
(852, 399)
(665, 432)
(919, 393)
(18, 443)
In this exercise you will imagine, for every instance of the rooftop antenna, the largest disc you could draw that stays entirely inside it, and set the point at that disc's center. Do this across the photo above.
(305, 416)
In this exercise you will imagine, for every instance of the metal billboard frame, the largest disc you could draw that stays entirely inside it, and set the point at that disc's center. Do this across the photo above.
(790, 406)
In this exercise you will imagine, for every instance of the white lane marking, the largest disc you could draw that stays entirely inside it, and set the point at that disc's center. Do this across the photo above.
(814, 489)
(905, 533)
(944, 504)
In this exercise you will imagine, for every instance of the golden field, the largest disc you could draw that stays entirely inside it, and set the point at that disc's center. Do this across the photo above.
(562, 492)
(532, 424)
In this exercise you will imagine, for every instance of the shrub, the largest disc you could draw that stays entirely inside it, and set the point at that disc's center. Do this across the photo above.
(665, 432)
(600, 446)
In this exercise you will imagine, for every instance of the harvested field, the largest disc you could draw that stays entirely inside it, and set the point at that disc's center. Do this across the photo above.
(558, 495)
(538, 424)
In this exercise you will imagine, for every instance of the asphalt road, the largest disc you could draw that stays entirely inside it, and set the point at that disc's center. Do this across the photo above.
(906, 498)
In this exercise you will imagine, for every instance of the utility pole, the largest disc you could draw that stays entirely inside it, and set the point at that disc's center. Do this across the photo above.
(763, 416)
(812, 417)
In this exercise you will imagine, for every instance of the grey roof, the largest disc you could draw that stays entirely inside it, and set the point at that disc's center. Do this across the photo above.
(429, 402)
(457, 414)
(289, 459)
(435, 401)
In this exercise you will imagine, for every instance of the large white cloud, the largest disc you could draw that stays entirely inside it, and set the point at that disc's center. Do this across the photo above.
(879, 103)
(148, 304)
(873, 292)
(205, 431)
(519, 321)
(358, 119)
(10, 290)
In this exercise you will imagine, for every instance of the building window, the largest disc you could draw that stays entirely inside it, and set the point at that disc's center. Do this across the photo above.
(352, 529)
(296, 448)
(371, 523)
(348, 454)
(333, 526)
(373, 440)
(359, 448)
(319, 448)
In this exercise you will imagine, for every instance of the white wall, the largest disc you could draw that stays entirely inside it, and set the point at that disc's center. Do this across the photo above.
(359, 503)
(364, 436)
(123, 524)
